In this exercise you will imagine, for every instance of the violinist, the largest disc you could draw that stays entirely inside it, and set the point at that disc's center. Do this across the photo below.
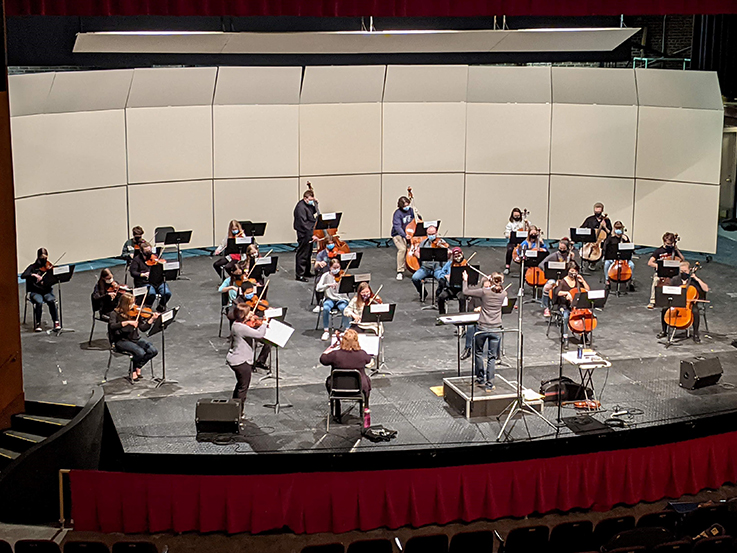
(403, 215)
(235, 230)
(491, 296)
(241, 353)
(565, 253)
(140, 269)
(107, 293)
(428, 268)
(668, 250)
(354, 311)
(617, 236)
(232, 284)
(515, 223)
(123, 333)
(132, 246)
(305, 215)
(446, 291)
(328, 284)
(701, 288)
(324, 256)
(563, 295)
(246, 263)
(40, 289)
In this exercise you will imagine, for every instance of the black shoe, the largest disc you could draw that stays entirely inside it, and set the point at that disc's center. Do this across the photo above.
(662, 335)
(263, 366)
(697, 338)
(160, 308)
(301, 279)
(466, 354)
(565, 344)
(309, 275)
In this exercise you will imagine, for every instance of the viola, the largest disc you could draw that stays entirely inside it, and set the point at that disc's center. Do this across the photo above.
(154, 259)
(410, 258)
(322, 234)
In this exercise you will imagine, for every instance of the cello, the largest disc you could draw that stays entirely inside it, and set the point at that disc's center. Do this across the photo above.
(526, 228)
(322, 234)
(591, 251)
(414, 242)
(681, 318)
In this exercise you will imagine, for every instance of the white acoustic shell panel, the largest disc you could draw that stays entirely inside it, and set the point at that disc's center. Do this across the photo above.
(89, 224)
(168, 144)
(28, 93)
(358, 197)
(572, 199)
(490, 84)
(589, 85)
(678, 89)
(424, 137)
(68, 151)
(684, 208)
(257, 85)
(343, 84)
(89, 90)
(597, 140)
(256, 141)
(182, 205)
(340, 139)
(437, 196)
(275, 198)
(426, 83)
(176, 86)
(508, 138)
(679, 144)
(491, 198)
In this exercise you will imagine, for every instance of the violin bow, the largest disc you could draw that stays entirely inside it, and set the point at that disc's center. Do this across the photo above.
(254, 264)
(140, 309)
(54, 264)
(261, 296)
(372, 298)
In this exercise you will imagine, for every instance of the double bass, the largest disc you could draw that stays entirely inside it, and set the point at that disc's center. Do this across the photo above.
(591, 251)
(322, 234)
(413, 245)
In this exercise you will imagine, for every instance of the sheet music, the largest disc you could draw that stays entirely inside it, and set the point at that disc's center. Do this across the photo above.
(140, 291)
(365, 277)
(672, 290)
(273, 312)
(263, 261)
(530, 253)
(243, 239)
(278, 333)
(461, 318)
(671, 263)
(379, 308)
(505, 303)
(557, 265)
(61, 270)
(521, 234)
(171, 265)
(626, 246)
(583, 231)
(348, 256)
(167, 316)
(428, 224)
(597, 294)
(329, 216)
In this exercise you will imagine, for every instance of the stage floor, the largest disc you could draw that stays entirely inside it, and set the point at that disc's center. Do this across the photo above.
(643, 377)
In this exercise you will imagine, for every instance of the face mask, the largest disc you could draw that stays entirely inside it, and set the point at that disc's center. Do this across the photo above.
(330, 246)
(684, 276)
(618, 232)
(405, 208)
(431, 237)
(109, 281)
(146, 254)
(668, 248)
(573, 275)
(533, 236)
(248, 296)
(365, 298)
(597, 213)
(517, 217)
(335, 271)
(234, 231)
(310, 202)
(562, 249)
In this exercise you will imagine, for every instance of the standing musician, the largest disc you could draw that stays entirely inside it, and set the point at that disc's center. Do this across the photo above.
(428, 268)
(329, 284)
(354, 310)
(243, 333)
(701, 287)
(617, 236)
(140, 270)
(305, 215)
(565, 253)
(491, 295)
(563, 296)
(403, 215)
(132, 246)
(246, 295)
(107, 293)
(598, 223)
(668, 250)
(125, 322)
(39, 290)
(515, 223)
(446, 291)
(235, 230)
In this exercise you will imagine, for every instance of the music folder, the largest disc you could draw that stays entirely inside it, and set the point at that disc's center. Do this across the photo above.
(328, 221)
(456, 276)
(59, 275)
(582, 235)
(278, 333)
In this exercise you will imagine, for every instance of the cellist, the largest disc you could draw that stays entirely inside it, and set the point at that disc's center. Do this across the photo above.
(701, 288)
(515, 223)
(403, 215)
(563, 295)
(617, 236)
(668, 250)
(428, 268)
(565, 253)
(445, 290)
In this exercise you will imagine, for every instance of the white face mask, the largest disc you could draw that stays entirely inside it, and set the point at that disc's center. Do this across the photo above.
(109, 281)
(335, 271)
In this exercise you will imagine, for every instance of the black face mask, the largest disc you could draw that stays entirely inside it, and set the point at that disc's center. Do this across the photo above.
(517, 217)
(533, 236)
(669, 248)
(684, 276)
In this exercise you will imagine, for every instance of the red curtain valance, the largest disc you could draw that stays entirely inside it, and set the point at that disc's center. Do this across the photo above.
(340, 502)
(377, 8)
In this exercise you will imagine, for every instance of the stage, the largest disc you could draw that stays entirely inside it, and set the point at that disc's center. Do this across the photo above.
(156, 428)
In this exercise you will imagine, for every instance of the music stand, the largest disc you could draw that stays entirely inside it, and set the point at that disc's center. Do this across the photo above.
(253, 229)
(237, 245)
(349, 283)
(621, 251)
(423, 226)
(277, 334)
(555, 270)
(276, 314)
(178, 237)
(533, 258)
(667, 297)
(264, 267)
(456, 276)
(589, 300)
(161, 272)
(433, 255)
(353, 259)
(161, 323)
(60, 275)
(668, 268)
(379, 313)
(327, 221)
(518, 236)
(582, 236)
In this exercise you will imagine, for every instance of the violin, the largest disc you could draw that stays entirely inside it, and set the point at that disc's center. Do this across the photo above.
(258, 305)
(48, 266)
(375, 297)
(322, 234)
(410, 258)
(117, 288)
(141, 312)
(154, 259)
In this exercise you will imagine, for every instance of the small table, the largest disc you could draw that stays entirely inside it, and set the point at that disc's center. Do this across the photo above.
(587, 364)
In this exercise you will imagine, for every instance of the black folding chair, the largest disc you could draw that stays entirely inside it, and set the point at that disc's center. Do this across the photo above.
(434, 543)
(572, 537)
(472, 542)
(345, 386)
(526, 539)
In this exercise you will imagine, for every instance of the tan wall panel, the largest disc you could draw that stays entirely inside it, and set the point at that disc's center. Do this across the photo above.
(340, 139)
(182, 205)
(426, 137)
(572, 199)
(168, 144)
(690, 210)
(437, 196)
(68, 151)
(490, 199)
(358, 197)
(508, 138)
(256, 141)
(594, 140)
(29, 93)
(56, 223)
(276, 196)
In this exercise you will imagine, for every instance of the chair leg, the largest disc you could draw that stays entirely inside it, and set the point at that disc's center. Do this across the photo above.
(25, 309)
(89, 342)
(220, 330)
(107, 370)
(330, 413)
(319, 315)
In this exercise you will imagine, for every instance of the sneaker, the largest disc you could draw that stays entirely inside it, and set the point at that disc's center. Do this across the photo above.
(565, 344)
(466, 354)
(661, 335)
(489, 387)
(316, 309)
(57, 325)
(651, 306)
(325, 336)
(697, 339)
(400, 276)
(506, 271)
(38, 329)
(546, 313)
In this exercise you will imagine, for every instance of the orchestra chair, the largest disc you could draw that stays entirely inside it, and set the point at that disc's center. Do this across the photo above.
(572, 537)
(134, 547)
(224, 306)
(37, 546)
(681, 546)
(607, 528)
(433, 282)
(526, 539)
(27, 301)
(472, 542)
(325, 548)
(717, 544)
(86, 547)
(434, 543)
(334, 312)
(371, 546)
(96, 316)
(660, 519)
(345, 386)
(555, 319)
(115, 353)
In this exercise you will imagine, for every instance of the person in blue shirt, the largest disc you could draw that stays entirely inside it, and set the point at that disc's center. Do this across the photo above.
(445, 290)
(429, 268)
(533, 242)
(401, 218)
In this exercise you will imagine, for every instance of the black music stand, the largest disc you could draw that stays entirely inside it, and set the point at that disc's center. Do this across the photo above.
(278, 335)
(253, 229)
(616, 252)
(668, 268)
(178, 237)
(162, 272)
(379, 313)
(353, 259)
(276, 314)
(422, 227)
(264, 267)
(326, 221)
(555, 270)
(585, 300)
(582, 236)
(533, 258)
(59, 275)
(349, 283)
(456, 276)
(237, 245)
(161, 323)
(432, 255)
(667, 297)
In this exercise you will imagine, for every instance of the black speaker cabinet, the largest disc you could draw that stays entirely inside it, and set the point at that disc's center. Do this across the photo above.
(217, 416)
(699, 372)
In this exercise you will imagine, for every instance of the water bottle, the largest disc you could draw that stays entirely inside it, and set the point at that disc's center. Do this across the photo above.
(366, 418)
(580, 351)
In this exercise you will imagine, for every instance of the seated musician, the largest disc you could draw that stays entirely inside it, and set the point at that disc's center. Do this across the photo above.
(428, 268)
(598, 220)
(515, 223)
(565, 253)
(140, 271)
(232, 283)
(235, 230)
(668, 250)
(123, 329)
(106, 294)
(347, 354)
(240, 355)
(491, 295)
(246, 261)
(132, 246)
(354, 310)
(403, 215)
(333, 299)
(617, 236)
(563, 297)
(446, 291)
(533, 241)
(701, 287)
(39, 290)
(324, 256)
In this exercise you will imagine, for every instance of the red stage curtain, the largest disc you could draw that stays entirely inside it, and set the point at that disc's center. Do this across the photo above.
(377, 8)
(344, 501)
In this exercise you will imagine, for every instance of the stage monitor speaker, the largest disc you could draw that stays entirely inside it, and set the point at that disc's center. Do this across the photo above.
(217, 416)
(699, 372)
